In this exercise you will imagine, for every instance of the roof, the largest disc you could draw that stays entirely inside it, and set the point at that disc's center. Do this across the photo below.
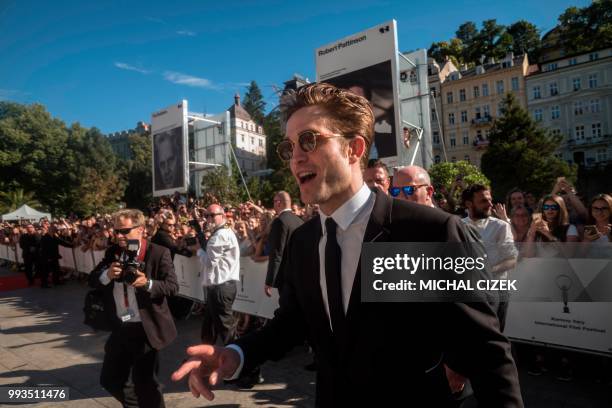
(237, 111)
(488, 68)
(25, 212)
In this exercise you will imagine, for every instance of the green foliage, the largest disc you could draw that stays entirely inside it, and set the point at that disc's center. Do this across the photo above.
(521, 154)
(69, 169)
(253, 103)
(491, 40)
(138, 170)
(588, 28)
(217, 183)
(12, 200)
(443, 175)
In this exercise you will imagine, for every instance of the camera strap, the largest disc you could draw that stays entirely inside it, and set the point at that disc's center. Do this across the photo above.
(141, 256)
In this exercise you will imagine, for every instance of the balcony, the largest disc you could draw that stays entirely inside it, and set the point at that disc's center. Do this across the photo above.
(482, 121)
(589, 142)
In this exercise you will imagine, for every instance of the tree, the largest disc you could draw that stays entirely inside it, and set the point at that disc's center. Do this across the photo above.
(445, 175)
(587, 28)
(521, 154)
(12, 200)
(525, 39)
(219, 186)
(443, 49)
(138, 192)
(254, 103)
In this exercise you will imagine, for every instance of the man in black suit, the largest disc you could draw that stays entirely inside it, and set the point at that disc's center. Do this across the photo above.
(281, 230)
(30, 247)
(137, 307)
(368, 354)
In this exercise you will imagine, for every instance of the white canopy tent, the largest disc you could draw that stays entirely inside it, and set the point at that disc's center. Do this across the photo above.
(25, 212)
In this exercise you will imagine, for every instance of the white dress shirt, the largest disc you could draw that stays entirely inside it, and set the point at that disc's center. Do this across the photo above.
(352, 219)
(221, 259)
(118, 295)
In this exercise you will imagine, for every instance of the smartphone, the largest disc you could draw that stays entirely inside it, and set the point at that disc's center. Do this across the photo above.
(590, 230)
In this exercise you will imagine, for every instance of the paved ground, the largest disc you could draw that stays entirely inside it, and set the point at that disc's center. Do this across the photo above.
(43, 341)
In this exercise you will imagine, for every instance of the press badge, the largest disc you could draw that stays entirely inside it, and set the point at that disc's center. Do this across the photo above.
(127, 316)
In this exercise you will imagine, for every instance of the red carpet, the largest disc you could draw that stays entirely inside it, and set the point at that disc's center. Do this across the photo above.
(13, 281)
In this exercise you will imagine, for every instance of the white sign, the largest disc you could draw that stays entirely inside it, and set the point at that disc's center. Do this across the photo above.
(250, 297)
(367, 64)
(67, 258)
(170, 160)
(188, 273)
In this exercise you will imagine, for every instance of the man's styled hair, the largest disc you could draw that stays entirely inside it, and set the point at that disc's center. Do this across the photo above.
(136, 216)
(468, 193)
(376, 163)
(350, 114)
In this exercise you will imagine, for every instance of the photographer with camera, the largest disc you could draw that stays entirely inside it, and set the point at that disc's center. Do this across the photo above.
(136, 277)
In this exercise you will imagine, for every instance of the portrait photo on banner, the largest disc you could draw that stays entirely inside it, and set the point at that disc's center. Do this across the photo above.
(168, 156)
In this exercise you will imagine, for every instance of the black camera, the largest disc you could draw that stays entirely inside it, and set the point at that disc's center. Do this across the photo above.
(130, 264)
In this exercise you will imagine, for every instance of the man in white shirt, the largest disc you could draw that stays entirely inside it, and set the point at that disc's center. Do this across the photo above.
(496, 236)
(221, 270)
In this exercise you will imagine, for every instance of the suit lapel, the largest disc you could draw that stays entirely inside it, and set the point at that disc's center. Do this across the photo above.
(376, 230)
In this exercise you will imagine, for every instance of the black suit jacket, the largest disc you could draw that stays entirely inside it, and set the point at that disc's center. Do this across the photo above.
(164, 239)
(280, 231)
(152, 306)
(393, 353)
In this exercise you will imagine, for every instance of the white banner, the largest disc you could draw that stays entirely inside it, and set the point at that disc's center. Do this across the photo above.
(581, 324)
(98, 256)
(17, 256)
(250, 297)
(4, 252)
(67, 258)
(189, 277)
(11, 254)
(84, 261)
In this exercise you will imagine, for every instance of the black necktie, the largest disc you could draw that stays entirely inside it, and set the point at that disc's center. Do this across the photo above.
(333, 257)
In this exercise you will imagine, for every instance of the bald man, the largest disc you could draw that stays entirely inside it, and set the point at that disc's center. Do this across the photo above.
(412, 183)
(221, 266)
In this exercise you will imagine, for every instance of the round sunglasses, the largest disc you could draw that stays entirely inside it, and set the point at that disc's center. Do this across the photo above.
(307, 140)
(407, 190)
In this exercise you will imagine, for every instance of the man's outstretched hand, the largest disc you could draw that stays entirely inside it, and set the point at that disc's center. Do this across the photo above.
(206, 366)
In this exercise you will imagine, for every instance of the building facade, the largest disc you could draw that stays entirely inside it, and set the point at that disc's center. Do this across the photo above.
(572, 97)
(471, 99)
(248, 139)
(436, 75)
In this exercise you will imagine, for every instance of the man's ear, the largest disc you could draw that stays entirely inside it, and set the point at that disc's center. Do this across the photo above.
(357, 148)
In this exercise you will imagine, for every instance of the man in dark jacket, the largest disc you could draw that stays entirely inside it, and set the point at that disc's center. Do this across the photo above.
(282, 227)
(30, 246)
(135, 299)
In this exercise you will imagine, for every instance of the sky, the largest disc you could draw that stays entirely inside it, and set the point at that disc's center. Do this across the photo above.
(110, 64)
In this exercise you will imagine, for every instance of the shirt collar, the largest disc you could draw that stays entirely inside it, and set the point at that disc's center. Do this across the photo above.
(347, 212)
(478, 223)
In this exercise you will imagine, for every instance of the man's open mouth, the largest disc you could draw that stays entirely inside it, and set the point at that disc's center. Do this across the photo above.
(306, 176)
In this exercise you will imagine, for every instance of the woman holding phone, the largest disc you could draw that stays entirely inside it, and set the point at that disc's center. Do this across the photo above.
(599, 227)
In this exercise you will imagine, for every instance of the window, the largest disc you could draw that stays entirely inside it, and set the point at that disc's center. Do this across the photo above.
(437, 159)
(593, 81)
(463, 116)
(551, 67)
(576, 84)
(477, 112)
(433, 91)
(553, 88)
(572, 61)
(485, 89)
(594, 105)
(554, 112)
(578, 108)
(453, 141)
(500, 109)
(593, 56)
(479, 135)
(449, 97)
(252, 140)
(515, 83)
(453, 159)
(436, 137)
(451, 118)
(486, 111)
(260, 143)
(602, 155)
(556, 132)
(210, 153)
(462, 95)
(537, 115)
(536, 92)
(476, 92)
(242, 138)
(433, 114)
(596, 130)
(466, 138)
(500, 86)
(466, 158)
(579, 132)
